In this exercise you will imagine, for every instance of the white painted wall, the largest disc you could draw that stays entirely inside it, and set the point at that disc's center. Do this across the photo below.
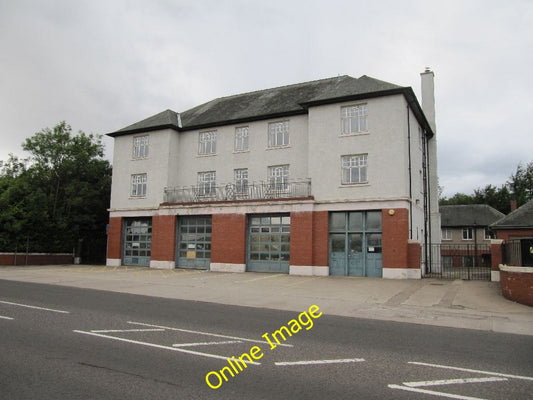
(156, 166)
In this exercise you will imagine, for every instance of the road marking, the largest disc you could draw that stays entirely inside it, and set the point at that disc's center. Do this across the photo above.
(315, 362)
(3, 317)
(434, 393)
(206, 333)
(128, 330)
(453, 381)
(35, 307)
(528, 378)
(159, 346)
(269, 276)
(205, 343)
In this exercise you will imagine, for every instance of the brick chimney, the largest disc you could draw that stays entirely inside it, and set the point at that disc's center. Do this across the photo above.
(513, 205)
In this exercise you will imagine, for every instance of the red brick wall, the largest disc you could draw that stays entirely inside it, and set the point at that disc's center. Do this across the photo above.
(228, 241)
(517, 286)
(320, 238)
(414, 252)
(163, 238)
(496, 256)
(114, 238)
(36, 259)
(514, 233)
(301, 238)
(395, 238)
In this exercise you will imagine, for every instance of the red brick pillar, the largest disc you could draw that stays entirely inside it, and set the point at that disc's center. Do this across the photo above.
(398, 254)
(163, 252)
(302, 238)
(228, 243)
(496, 258)
(321, 239)
(114, 242)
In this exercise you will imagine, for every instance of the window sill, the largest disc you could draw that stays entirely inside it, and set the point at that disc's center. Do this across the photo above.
(354, 134)
(241, 151)
(353, 185)
(140, 158)
(137, 197)
(288, 146)
(206, 155)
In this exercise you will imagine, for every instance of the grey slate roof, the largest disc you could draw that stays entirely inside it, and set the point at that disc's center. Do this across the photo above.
(521, 218)
(275, 103)
(165, 119)
(469, 215)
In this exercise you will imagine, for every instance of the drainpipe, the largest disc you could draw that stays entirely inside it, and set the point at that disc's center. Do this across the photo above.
(410, 174)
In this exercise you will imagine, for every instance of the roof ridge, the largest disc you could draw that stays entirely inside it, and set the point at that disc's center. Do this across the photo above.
(292, 85)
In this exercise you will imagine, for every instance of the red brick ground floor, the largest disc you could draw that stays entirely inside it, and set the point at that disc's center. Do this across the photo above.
(298, 239)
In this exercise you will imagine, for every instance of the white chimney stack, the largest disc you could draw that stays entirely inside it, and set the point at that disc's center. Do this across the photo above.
(428, 97)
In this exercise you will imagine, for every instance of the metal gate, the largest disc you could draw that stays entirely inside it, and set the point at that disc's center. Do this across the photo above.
(459, 261)
(194, 242)
(269, 243)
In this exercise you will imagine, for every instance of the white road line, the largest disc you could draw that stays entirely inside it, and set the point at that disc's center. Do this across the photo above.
(35, 307)
(3, 317)
(205, 343)
(528, 378)
(454, 381)
(315, 362)
(158, 346)
(434, 393)
(128, 330)
(207, 333)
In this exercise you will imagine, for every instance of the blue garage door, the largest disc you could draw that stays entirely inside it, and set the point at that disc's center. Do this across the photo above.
(269, 243)
(137, 241)
(194, 242)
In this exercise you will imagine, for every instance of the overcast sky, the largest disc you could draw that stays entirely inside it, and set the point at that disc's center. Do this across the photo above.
(101, 65)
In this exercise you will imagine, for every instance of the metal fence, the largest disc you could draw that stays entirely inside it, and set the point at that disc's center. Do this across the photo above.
(244, 191)
(459, 261)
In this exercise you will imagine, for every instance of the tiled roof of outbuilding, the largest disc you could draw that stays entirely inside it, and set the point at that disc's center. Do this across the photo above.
(469, 215)
(520, 218)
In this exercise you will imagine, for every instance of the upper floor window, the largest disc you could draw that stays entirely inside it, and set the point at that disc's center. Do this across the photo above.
(207, 142)
(468, 234)
(241, 138)
(354, 169)
(353, 119)
(488, 234)
(278, 177)
(446, 234)
(138, 185)
(140, 146)
(207, 183)
(241, 181)
(278, 134)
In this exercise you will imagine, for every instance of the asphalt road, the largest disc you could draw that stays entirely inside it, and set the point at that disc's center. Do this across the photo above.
(67, 343)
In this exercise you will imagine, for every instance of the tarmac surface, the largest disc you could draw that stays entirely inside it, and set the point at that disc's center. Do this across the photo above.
(451, 303)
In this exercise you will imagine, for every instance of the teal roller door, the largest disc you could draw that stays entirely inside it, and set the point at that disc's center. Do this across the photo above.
(269, 243)
(194, 242)
(137, 241)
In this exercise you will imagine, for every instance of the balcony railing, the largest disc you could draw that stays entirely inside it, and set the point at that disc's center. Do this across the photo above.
(231, 192)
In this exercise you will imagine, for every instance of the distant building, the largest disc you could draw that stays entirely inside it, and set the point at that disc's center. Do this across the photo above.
(468, 224)
(330, 177)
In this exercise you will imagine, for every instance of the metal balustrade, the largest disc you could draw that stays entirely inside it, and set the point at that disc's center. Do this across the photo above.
(206, 193)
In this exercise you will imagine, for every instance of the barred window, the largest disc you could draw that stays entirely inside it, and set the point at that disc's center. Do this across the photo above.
(354, 169)
(278, 134)
(140, 146)
(353, 119)
(241, 138)
(207, 142)
(138, 185)
(207, 183)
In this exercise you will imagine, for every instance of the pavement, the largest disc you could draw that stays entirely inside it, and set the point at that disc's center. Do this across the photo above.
(450, 303)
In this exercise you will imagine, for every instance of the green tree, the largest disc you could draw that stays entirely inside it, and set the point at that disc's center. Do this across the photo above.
(59, 197)
(521, 184)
